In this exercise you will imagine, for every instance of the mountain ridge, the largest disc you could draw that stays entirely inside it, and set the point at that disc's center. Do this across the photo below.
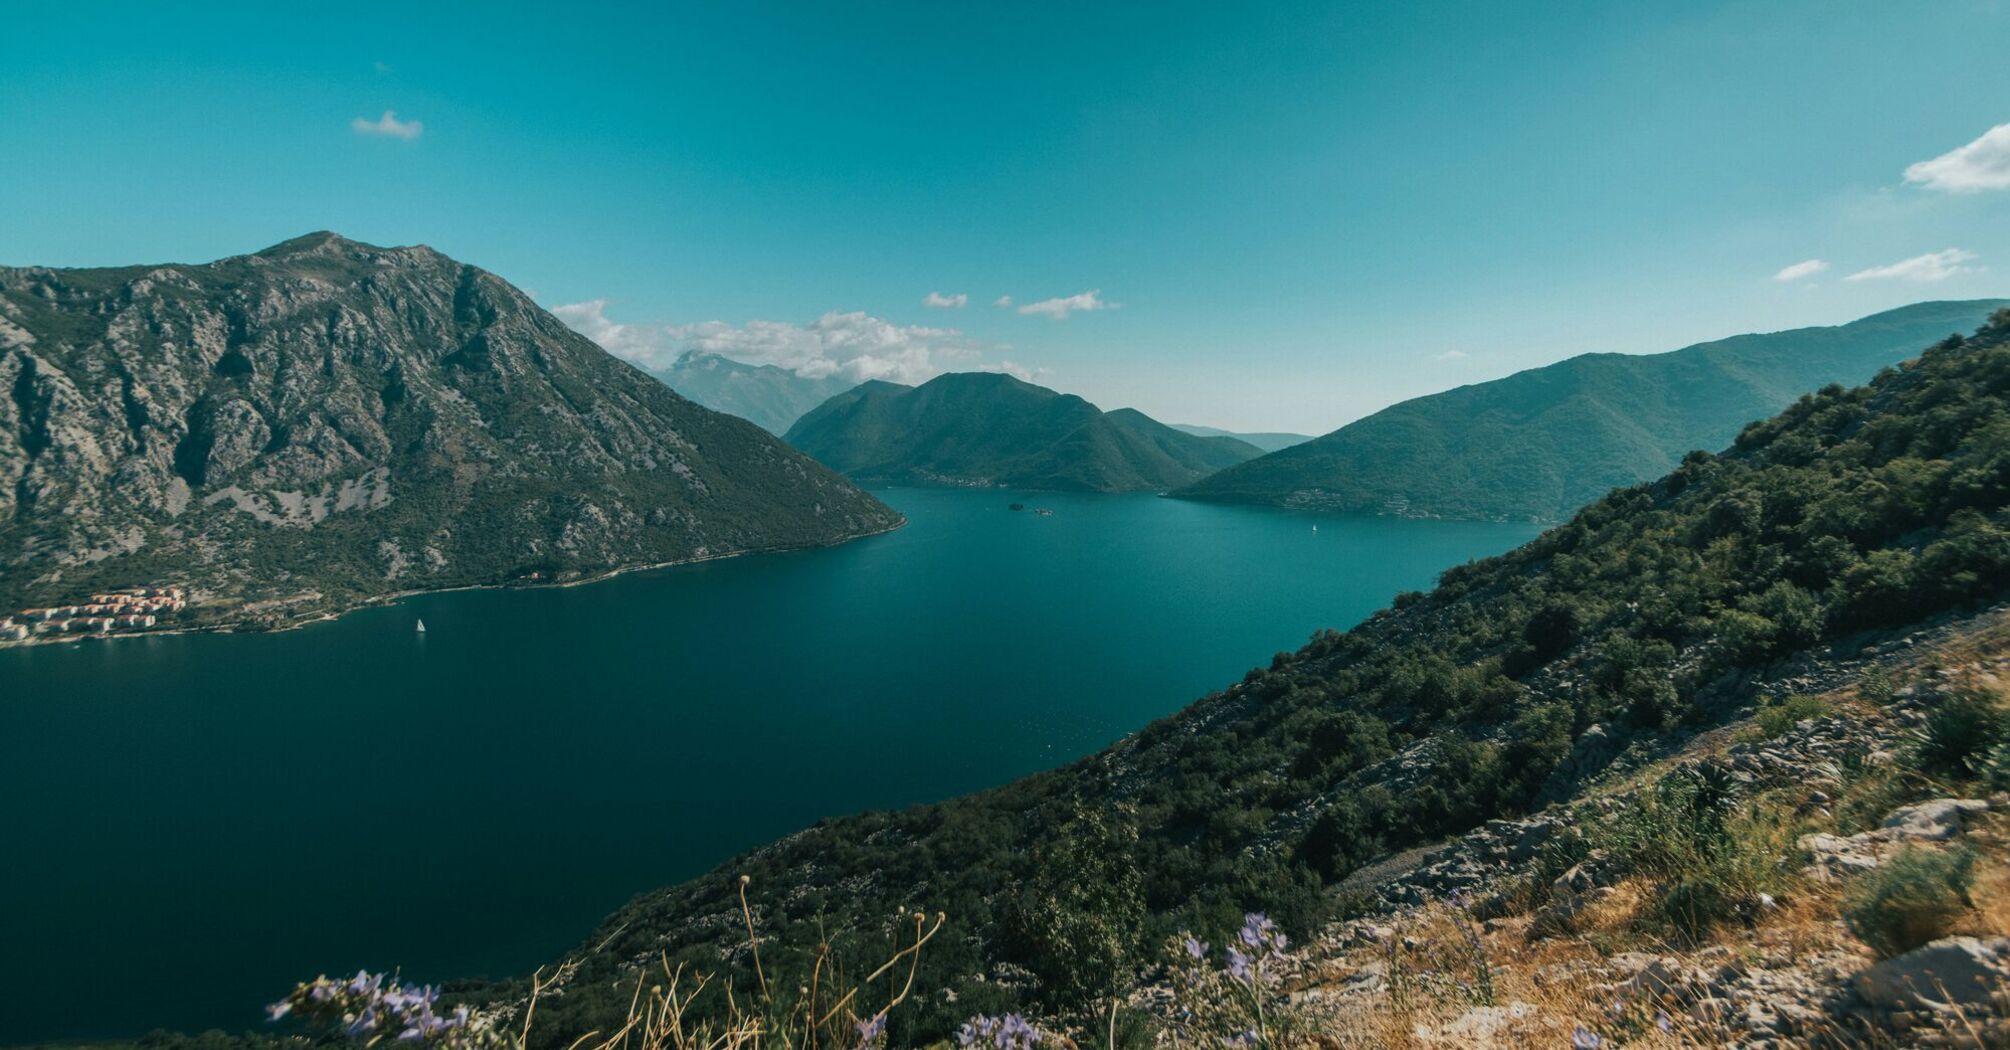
(988, 429)
(769, 396)
(1536, 444)
(325, 422)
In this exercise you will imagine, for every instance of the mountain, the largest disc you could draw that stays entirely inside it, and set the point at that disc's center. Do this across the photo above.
(770, 397)
(1826, 537)
(1268, 442)
(987, 429)
(326, 421)
(1538, 444)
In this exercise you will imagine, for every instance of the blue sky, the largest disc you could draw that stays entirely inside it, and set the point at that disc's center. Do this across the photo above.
(1291, 214)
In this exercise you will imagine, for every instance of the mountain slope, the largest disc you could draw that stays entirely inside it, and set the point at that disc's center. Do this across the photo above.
(335, 419)
(1538, 444)
(1653, 614)
(987, 429)
(1268, 442)
(768, 396)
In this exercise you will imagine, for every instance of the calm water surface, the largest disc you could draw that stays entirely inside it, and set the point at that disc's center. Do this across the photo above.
(192, 823)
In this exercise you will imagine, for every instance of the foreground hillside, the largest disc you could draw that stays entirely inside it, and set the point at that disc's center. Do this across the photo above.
(1820, 539)
(768, 396)
(984, 429)
(1538, 444)
(326, 421)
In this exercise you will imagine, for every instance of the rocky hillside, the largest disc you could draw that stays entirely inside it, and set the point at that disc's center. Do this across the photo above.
(325, 421)
(768, 396)
(1539, 444)
(985, 429)
(1655, 617)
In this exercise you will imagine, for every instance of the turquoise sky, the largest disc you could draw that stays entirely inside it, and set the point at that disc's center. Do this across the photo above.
(1300, 212)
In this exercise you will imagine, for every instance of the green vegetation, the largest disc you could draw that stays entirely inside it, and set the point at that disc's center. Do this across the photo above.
(1960, 735)
(1915, 897)
(1711, 861)
(1777, 716)
(1538, 444)
(984, 429)
(1852, 510)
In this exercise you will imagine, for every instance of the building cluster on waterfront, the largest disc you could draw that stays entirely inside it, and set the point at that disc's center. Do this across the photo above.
(133, 609)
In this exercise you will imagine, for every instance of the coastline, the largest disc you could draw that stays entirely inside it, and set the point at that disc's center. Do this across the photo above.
(330, 615)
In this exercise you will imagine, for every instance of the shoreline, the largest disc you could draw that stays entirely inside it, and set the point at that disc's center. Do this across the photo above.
(394, 597)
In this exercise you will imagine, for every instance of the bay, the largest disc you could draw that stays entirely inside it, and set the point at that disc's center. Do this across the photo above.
(194, 822)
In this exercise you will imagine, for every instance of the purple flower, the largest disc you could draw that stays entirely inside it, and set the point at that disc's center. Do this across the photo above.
(870, 1032)
(1238, 964)
(1196, 949)
(278, 1010)
(1583, 1038)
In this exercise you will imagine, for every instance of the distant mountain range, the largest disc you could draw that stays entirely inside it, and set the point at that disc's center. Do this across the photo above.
(768, 396)
(1266, 442)
(984, 429)
(1538, 444)
(327, 421)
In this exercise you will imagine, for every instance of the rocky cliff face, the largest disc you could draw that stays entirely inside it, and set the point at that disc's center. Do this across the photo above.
(333, 418)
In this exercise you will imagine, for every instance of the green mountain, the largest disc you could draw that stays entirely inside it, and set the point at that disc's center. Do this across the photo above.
(1654, 614)
(986, 429)
(1538, 444)
(1268, 442)
(327, 421)
(768, 396)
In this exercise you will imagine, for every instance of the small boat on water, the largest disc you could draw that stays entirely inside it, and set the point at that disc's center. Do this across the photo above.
(421, 628)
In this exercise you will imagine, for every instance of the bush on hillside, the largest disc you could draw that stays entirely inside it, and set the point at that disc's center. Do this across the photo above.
(1960, 733)
(1916, 897)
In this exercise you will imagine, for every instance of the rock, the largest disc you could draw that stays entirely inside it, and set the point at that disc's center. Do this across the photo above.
(1954, 973)
(1935, 821)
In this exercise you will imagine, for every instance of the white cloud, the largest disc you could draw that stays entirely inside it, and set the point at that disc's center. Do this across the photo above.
(1933, 266)
(1983, 164)
(1059, 309)
(1799, 270)
(1451, 355)
(939, 301)
(1002, 302)
(855, 344)
(634, 342)
(389, 126)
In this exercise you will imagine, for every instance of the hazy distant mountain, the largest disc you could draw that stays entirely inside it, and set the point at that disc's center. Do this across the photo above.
(1265, 441)
(327, 420)
(986, 429)
(772, 397)
(1538, 444)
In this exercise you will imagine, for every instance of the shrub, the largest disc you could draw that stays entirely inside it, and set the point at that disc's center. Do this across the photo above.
(1915, 897)
(1959, 734)
(1777, 716)
(1875, 685)
(1076, 924)
(1713, 863)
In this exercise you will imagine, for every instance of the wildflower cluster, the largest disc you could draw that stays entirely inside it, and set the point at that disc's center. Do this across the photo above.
(1010, 1032)
(1232, 1005)
(372, 1006)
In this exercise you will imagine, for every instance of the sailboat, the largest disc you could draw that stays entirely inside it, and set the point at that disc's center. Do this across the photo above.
(422, 627)
(1315, 528)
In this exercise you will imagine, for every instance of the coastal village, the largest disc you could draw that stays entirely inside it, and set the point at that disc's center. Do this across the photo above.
(110, 612)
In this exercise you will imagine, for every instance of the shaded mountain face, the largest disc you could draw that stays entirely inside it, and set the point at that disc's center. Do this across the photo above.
(1268, 442)
(332, 418)
(1538, 444)
(1824, 535)
(768, 396)
(983, 429)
